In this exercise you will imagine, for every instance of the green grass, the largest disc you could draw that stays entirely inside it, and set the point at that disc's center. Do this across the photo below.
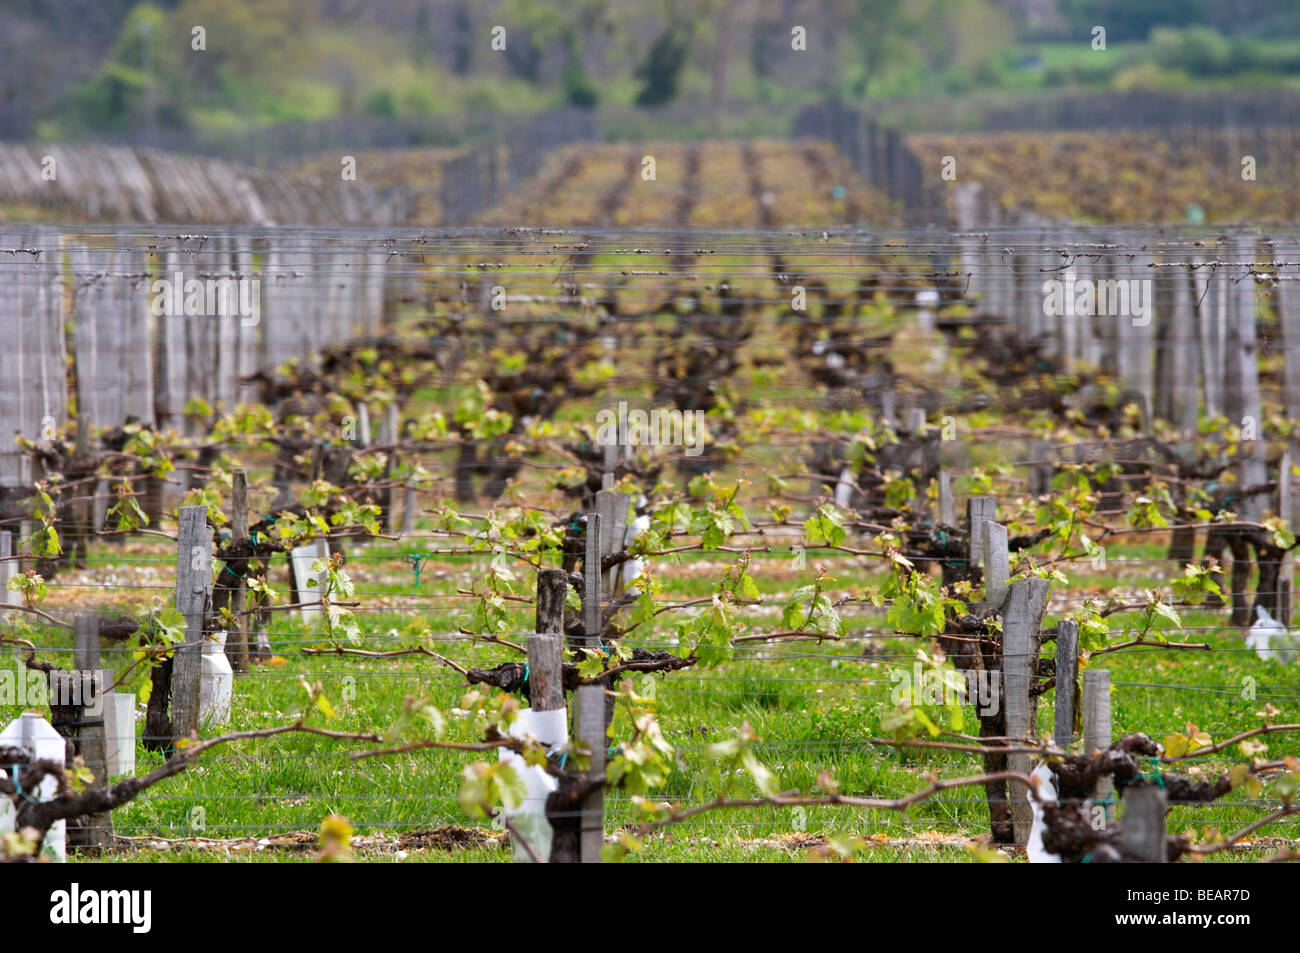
(813, 707)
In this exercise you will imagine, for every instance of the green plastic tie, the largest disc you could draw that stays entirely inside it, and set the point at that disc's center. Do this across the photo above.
(416, 562)
(1155, 773)
(237, 575)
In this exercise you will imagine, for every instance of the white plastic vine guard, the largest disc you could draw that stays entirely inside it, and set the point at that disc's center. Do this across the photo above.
(119, 730)
(549, 728)
(217, 682)
(42, 742)
(1037, 853)
(301, 558)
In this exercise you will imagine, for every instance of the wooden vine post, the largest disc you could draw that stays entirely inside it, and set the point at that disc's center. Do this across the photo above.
(997, 563)
(1040, 468)
(552, 588)
(390, 435)
(589, 717)
(589, 721)
(1286, 571)
(609, 466)
(1067, 676)
(9, 567)
(612, 509)
(546, 645)
(84, 511)
(363, 425)
(979, 510)
(1183, 354)
(1210, 297)
(577, 808)
(410, 498)
(1022, 617)
(546, 693)
(545, 672)
(591, 583)
(1241, 372)
(1097, 734)
(193, 600)
(1143, 833)
(947, 511)
(92, 744)
(410, 508)
(1288, 313)
(236, 640)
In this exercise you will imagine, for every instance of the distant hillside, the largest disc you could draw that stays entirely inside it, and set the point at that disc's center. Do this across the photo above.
(136, 70)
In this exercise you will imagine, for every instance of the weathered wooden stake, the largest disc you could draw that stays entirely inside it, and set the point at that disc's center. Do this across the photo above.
(91, 742)
(1182, 545)
(236, 640)
(1040, 469)
(1241, 401)
(1286, 571)
(410, 508)
(997, 563)
(1067, 675)
(979, 510)
(392, 424)
(589, 718)
(612, 508)
(1022, 618)
(99, 509)
(363, 425)
(1143, 834)
(606, 506)
(552, 588)
(1288, 312)
(1144, 413)
(9, 567)
(591, 583)
(947, 508)
(610, 466)
(546, 693)
(1137, 340)
(1209, 292)
(545, 671)
(1184, 356)
(546, 688)
(1096, 731)
(193, 600)
(916, 422)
